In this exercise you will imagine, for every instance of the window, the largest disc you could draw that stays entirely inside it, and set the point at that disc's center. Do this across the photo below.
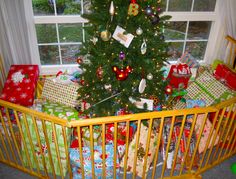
(190, 27)
(60, 33)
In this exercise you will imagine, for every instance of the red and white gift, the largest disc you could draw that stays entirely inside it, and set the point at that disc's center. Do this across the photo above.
(20, 85)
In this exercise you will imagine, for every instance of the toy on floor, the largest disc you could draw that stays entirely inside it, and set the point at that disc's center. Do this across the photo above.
(233, 168)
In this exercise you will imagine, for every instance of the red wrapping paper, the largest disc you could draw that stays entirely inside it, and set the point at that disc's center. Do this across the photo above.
(20, 85)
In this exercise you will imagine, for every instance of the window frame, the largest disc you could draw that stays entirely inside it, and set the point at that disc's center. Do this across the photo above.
(176, 16)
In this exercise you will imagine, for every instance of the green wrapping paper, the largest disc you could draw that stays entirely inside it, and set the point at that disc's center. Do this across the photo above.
(60, 111)
(206, 88)
(45, 151)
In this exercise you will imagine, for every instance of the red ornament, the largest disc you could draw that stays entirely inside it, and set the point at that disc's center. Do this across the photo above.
(82, 82)
(168, 90)
(122, 74)
(79, 60)
(99, 72)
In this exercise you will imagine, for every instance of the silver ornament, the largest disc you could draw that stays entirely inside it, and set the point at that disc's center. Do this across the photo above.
(149, 76)
(139, 31)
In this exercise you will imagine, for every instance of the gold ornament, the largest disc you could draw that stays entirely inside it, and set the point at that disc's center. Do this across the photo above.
(105, 35)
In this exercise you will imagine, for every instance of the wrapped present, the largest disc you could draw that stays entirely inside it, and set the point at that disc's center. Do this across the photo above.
(206, 132)
(96, 135)
(189, 60)
(226, 75)
(20, 85)
(216, 63)
(141, 151)
(191, 103)
(62, 93)
(87, 164)
(60, 110)
(43, 151)
(179, 76)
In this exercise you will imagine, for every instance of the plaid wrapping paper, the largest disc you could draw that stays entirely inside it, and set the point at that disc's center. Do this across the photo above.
(141, 151)
(45, 152)
(61, 93)
(76, 164)
(206, 88)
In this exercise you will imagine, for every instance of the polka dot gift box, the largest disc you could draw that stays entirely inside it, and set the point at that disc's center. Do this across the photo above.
(20, 85)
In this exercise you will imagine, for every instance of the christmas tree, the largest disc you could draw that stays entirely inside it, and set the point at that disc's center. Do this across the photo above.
(123, 56)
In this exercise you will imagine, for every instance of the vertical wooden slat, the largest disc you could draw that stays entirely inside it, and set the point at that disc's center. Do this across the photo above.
(103, 150)
(168, 145)
(215, 136)
(30, 142)
(4, 147)
(64, 133)
(57, 149)
(158, 146)
(198, 141)
(48, 147)
(40, 145)
(7, 135)
(115, 149)
(92, 149)
(208, 140)
(136, 149)
(177, 146)
(80, 150)
(147, 147)
(231, 139)
(188, 143)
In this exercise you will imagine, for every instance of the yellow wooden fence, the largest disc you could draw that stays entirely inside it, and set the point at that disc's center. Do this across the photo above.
(219, 146)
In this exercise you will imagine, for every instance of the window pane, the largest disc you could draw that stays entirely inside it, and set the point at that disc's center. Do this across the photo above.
(49, 55)
(43, 7)
(196, 49)
(46, 33)
(68, 7)
(70, 32)
(199, 30)
(180, 5)
(175, 50)
(68, 53)
(175, 31)
(204, 5)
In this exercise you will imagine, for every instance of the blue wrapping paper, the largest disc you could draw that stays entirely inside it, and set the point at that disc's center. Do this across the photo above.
(76, 164)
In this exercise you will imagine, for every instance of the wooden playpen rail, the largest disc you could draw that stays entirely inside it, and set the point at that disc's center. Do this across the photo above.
(18, 145)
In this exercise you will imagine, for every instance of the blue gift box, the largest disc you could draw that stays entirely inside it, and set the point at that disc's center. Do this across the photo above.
(76, 164)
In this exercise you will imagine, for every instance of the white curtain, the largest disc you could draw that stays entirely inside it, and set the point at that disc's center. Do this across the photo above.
(18, 42)
(224, 25)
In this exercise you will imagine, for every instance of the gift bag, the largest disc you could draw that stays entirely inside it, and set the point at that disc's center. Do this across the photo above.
(87, 164)
(141, 151)
(62, 93)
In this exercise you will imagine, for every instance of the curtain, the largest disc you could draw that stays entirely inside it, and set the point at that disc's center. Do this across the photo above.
(225, 25)
(18, 42)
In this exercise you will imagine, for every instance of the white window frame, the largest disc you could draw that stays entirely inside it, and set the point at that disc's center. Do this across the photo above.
(176, 16)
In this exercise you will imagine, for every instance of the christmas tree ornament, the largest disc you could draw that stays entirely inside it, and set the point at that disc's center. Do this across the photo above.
(168, 90)
(142, 86)
(148, 10)
(133, 8)
(143, 47)
(139, 31)
(82, 82)
(87, 7)
(105, 35)
(155, 19)
(99, 72)
(112, 10)
(149, 76)
(122, 55)
(155, 100)
(94, 40)
(121, 74)
(107, 87)
(79, 60)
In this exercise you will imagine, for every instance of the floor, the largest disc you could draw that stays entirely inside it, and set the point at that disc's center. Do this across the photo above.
(221, 171)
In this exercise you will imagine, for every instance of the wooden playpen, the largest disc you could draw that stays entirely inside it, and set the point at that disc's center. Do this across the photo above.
(19, 140)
